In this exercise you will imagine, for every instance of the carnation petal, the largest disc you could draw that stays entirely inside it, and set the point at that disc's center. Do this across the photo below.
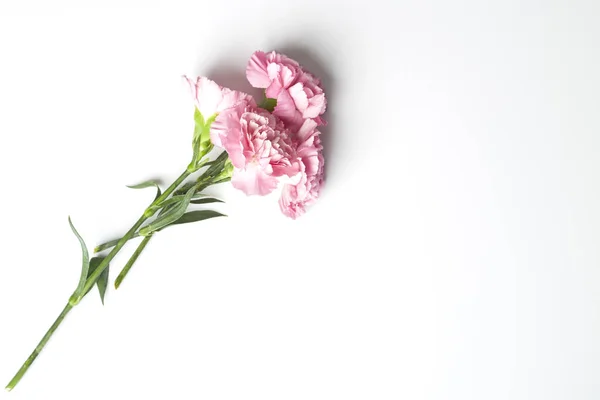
(226, 132)
(299, 95)
(316, 106)
(286, 110)
(208, 96)
(252, 180)
(231, 98)
(306, 130)
(256, 70)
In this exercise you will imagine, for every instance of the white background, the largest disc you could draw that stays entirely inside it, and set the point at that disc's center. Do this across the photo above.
(453, 254)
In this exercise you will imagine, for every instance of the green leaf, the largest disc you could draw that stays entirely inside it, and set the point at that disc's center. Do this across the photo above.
(222, 181)
(170, 216)
(147, 184)
(188, 217)
(197, 215)
(85, 265)
(172, 200)
(184, 188)
(166, 209)
(94, 262)
(102, 281)
(206, 200)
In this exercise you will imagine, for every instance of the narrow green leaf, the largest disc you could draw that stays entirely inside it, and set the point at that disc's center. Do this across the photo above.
(206, 200)
(147, 184)
(85, 265)
(143, 185)
(166, 209)
(170, 216)
(199, 195)
(94, 262)
(102, 281)
(184, 188)
(221, 181)
(172, 200)
(197, 215)
(166, 204)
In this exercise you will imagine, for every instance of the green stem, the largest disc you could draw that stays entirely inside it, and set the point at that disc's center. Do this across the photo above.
(112, 243)
(204, 181)
(91, 280)
(13, 382)
(131, 261)
(147, 214)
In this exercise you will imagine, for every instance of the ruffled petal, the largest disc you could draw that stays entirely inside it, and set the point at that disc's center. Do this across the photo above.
(253, 180)
(256, 70)
(208, 96)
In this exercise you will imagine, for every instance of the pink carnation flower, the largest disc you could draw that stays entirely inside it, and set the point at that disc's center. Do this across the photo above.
(258, 145)
(296, 197)
(299, 94)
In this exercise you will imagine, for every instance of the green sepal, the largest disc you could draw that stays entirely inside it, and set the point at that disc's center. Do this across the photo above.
(268, 104)
(202, 144)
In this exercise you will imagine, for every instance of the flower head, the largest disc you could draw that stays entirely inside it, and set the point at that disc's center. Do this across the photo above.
(259, 146)
(296, 197)
(298, 93)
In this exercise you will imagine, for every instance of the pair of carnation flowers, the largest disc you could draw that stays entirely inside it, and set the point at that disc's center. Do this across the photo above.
(274, 143)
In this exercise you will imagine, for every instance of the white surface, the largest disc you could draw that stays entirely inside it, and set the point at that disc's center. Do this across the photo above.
(453, 255)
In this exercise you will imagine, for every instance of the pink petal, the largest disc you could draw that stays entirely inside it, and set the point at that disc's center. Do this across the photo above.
(208, 97)
(281, 77)
(306, 130)
(232, 98)
(316, 106)
(299, 95)
(274, 89)
(286, 110)
(256, 71)
(287, 77)
(273, 70)
(226, 132)
(253, 181)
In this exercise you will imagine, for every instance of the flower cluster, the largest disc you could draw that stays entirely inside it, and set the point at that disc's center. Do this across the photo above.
(274, 143)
